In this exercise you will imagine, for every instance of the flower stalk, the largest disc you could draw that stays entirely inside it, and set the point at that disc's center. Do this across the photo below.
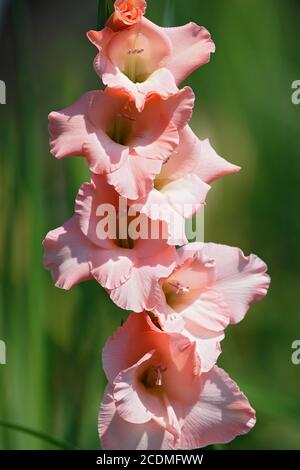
(164, 389)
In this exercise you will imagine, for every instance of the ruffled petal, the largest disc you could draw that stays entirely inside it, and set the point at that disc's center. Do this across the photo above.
(194, 156)
(209, 311)
(112, 268)
(70, 128)
(157, 207)
(155, 134)
(191, 48)
(186, 195)
(74, 131)
(141, 292)
(104, 155)
(222, 412)
(67, 255)
(208, 343)
(173, 203)
(211, 166)
(195, 269)
(135, 178)
(94, 200)
(117, 434)
(242, 280)
(161, 81)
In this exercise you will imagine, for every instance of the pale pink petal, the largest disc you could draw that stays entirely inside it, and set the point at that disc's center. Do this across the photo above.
(138, 330)
(106, 104)
(74, 132)
(156, 142)
(133, 401)
(211, 166)
(70, 128)
(156, 253)
(111, 265)
(195, 156)
(186, 195)
(180, 106)
(67, 255)
(135, 177)
(103, 154)
(184, 159)
(173, 202)
(141, 291)
(157, 207)
(100, 39)
(155, 260)
(93, 199)
(208, 345)
(196, 270)
(112, 268)
(161, 81)
(149, 138)
(183, 367)
(241, 280)
(191, 48)
(114, 78)
(117, 434)
(221, 414)
(155, 133)
(209, 311)
(170, 321)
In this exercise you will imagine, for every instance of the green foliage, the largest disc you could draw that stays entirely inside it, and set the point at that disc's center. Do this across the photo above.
(105, 9)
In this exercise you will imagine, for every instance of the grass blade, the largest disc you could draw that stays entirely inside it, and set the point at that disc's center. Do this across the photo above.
(39, 435)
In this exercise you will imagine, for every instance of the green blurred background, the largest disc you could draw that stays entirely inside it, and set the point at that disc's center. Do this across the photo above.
(53, 380)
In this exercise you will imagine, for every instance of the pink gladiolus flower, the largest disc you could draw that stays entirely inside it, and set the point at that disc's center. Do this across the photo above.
(127, 146)
(127, 13)
(158, 399)
(211, 287)
(181, 188)
(145, 57)
(84, 248)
